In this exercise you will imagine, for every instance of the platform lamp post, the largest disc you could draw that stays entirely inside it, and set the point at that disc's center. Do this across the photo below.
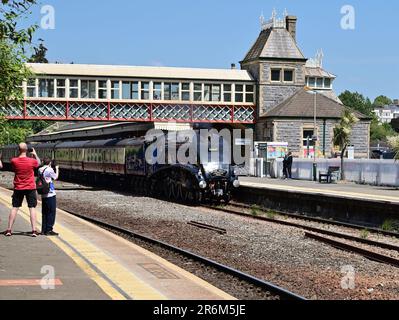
(314, 138)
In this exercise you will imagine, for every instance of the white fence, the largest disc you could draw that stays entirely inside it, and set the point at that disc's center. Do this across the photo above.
(374, 172)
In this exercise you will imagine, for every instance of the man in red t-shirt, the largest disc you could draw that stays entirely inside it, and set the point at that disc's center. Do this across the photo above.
(24, 186)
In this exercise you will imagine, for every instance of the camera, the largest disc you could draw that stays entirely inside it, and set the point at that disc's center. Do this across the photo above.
(30, 149)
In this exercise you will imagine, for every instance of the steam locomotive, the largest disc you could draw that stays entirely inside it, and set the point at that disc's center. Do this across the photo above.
(124, 162)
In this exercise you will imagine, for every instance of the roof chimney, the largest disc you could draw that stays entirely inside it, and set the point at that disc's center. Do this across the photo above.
(291, 25)
(233, 66)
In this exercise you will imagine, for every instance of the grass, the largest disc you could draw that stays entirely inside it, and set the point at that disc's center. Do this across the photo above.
(364, 234)
(389, 225)
(271, 214)
(255, 210)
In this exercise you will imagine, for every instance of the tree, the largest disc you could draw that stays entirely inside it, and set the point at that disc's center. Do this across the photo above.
(380, 132)
(12, 12)
(382, 101)
(394, 143)
(358, 102)
(13, 73)
(342, 134)
(39, 55)
(15, 40)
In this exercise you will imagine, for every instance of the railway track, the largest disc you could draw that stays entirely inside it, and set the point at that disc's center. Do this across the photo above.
(279, 292)
(321, 220)
(340, 245)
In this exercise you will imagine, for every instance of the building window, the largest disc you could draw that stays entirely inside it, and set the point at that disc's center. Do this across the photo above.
(227, 92)
(319, 83)
(73, 88)
(102, 89)
(171, 91)
(87, 89)
(185, 91)
(327, 83)
(145, 91)
(249, 93)
(207, 92)
(130, 90)
(61, 88)
(31, 88)
(197, 91)
(157, 91)
(308, 137)
(46, 88)
(216, 92)
(239, 88)
(115, 89)
(288, 76)
(276, 75)
(312, 82)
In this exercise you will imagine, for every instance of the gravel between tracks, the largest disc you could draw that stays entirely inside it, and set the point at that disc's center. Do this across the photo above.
(275, 253)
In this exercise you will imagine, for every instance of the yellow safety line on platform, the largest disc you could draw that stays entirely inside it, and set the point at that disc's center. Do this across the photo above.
(363, 196)
(124, 279)
(165, 263)
(83, 265)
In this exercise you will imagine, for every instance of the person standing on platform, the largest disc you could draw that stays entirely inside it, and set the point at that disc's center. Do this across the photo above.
(49, 200)
(24, 186)
(290, 161)
(285, 168)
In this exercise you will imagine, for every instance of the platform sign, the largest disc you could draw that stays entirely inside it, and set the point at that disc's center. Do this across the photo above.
(243, 142)
(276, 150)
(351, 152)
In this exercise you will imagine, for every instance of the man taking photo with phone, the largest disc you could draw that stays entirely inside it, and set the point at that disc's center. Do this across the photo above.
(24, 167)
(49, 199)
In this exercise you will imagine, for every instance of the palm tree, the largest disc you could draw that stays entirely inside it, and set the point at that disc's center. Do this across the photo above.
(394, 143)
(342, 134)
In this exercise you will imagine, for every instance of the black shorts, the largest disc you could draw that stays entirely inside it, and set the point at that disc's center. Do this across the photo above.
(18, 198)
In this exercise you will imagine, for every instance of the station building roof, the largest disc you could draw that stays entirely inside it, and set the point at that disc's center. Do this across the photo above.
(275, 43)
(301, 105)
(90, 70)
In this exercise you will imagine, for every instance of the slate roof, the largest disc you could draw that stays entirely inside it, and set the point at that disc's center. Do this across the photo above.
(318, 72)
(301, 105)
(275, 43)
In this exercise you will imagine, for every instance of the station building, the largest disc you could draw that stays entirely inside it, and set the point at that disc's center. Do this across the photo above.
(276, 92)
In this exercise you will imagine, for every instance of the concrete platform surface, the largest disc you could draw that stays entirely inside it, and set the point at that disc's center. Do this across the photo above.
(87, 263)
(344, 190)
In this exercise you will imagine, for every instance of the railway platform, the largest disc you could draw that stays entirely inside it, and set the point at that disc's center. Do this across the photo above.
(370, 206)
(87, 262)
(343, 190)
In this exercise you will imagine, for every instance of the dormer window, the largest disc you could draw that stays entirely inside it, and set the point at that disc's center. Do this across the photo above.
(288, 75)
(276, 75)
(282, 75)
(327, 83)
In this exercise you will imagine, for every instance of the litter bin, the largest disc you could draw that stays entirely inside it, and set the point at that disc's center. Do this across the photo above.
(314, 171)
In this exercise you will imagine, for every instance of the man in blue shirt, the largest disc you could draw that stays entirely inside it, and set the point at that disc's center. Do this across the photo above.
(49, 201)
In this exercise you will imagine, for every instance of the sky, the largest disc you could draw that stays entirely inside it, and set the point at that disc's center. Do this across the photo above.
(216, 33)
